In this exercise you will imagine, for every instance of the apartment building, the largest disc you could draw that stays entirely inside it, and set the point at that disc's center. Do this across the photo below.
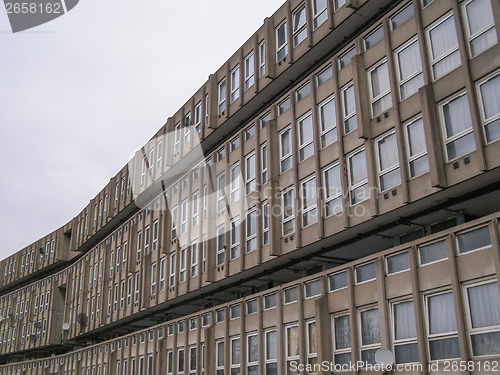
(333, 189)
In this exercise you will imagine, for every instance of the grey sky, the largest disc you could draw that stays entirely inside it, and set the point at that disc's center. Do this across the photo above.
(79, 94)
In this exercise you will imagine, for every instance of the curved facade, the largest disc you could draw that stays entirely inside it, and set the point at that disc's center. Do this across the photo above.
(341, 139)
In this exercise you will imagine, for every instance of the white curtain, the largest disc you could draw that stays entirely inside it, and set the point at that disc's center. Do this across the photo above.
(380, 80)
(349, 104)
(442, 314)
(306, 130)
(416, 137)
(388, 152)
(443, 38)
(327, 113)
(479, 15)
(358, 167)
(332, 181)
(490, 93)
(342, 332)
(484, 305)
(370, 331)
(457, 116)
(235, 352)
(404, 321)
(409, 61)
(271, 345)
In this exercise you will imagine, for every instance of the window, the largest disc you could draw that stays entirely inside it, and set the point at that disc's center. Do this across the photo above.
(285, 150)
(337, 4)
(252, 354)
(251, 231)
(324, 75)
(187, 128)
(404, 332)
(136, 292)
(153, 278)
(173, 214)
(292, 347)
(479, 25)
(195, 203)
(283, 106)
(349, 108)
(265, 119)
(192, 360)
(409, 68)
(303, 91)
(416, 149)
(221, 154)
(426, 2)
(146, 241)
(265, 223)
(380, 89)
(345, 58)
(312, 288)
(129, 290)
(194, 259)
(221, 184)
(443, 46)
(219, 357)
(249, 133)
(483, 305)
(398, 263)
(370, 335)
(290, 295)
(337, 281)
(341, 340)
(177, 139)
(442, 327)
(219, 316)
(249, 70)
(320, 14)
(456, 125)
(197, 117)
(433, 252)
(309, 202)
(220, 246)
(263, 163)
(281, 42)
(389, 175)
(192, 323)
(182, 264)
(235, 83)
(180, 326)
(222, 96)
(401, 17)
(271, 355)
(171, 280)
(269, 301)
(365, 273)
(306, 147)
(235, 239)
(180, 362)
(234, 144)
(250, 173)
(358, 177)
(235, 182)
(473, 240)
(373, 38)
(234, 312)
(299, 26)
(311, 344)
(262, 59)
(328, 122)
(205, 319)
(489, 96)
(184, 216)
(251, 307)
(288, 212)
(332, 190)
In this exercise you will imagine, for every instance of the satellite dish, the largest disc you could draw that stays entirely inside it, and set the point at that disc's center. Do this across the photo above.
(65, 326)
(384, 357)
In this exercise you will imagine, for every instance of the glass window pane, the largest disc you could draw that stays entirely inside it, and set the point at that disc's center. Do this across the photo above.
(398, 263)
(474, 239)
(338, 281)
(484, 305)
(313, 288)
(291, 295)
(342, 332)
(370, 331)
(433, 252)
(402, 17)
(271, 345)
(406, 353)
(292, 345)
(374, 38)
(365, 272)
(441, 312)
(444, 349)
(486, 343)
(404, 321)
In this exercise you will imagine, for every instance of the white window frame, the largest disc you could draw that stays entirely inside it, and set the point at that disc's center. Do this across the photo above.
(221, 193)
(177, 138)
(334, 196)
(195, 211)
(263, 164)
(351, 115)
(153, 279)
(405, 341)
(298, 37)
(340, 351)
(291, 217)
(490, 120)
(283, 47)
(234, 240)
(411, 158)
(249, 63)
(419, 72)
(187, 128)
(358, 184)
(251, 238)
(318, 14)
(270, 361)
(262, 59)
(313, 207)
(290, 357)
(381, 173)
(265, 223)
(250, 184)
(184, 216)
(221, 251)
(171, 278)
(197, 117)
(329, 128)
(366, 347)
(235, 84)
(182, 264)
(383, 94)
(235, 173)
(194, 259)
(304, 144)
(288, 156)
(222, 96)
(484, 30)
(162, 274)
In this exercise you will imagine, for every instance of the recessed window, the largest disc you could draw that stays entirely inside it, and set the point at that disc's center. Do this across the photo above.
(328, 122)
(426, 2)
(222, 96)
(235, 239)
(473, 240)
(402, 16)
(252, 306)
(456, 125)
(221, 154)
(320, 14)
(333, 190)
(303, 91)
(443, 46)
(312, 288)
(219, 316)
(281, 42)
(337, 4)
(341, 340)
(489, 103)
(235, 83)
(180, 327)
(262, 59)
(205, 319)
(299, 26)
(249, 70)
(250, 170)
(235, 182)
(370, 335)
(249, 133)
(264, 120)
(234, 311)
(373, 38)
(193, 323)
(337, 281)
(269, 301)
(380, 88)
(365, 273)
(234, 144)
(433, 252)
(404, 332)
(292, 347)
(398, 263)
(305, 130)
(288, 214)
(285, 150)
(271, 352)
(416, 148)
(309, 202)
(291, 295)
(409, 68)
(283, 106)
(483, 305)
(251, 231)
(358, 177)
(345, 59)
(324, 75)
(479, 25)
(221, 240)
(349, 108)
(263, 164)
(389, 175)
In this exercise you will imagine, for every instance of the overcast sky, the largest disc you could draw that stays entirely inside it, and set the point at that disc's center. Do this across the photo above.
(79, 94)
